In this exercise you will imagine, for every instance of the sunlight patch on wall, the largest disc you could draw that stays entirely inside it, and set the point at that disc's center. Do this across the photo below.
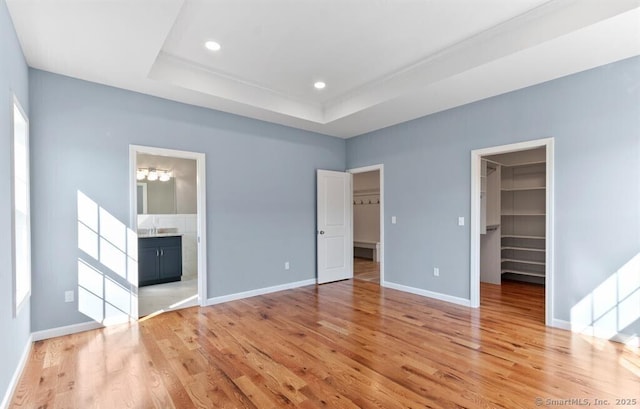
(611, 307)
(90, 291)
(108, 277)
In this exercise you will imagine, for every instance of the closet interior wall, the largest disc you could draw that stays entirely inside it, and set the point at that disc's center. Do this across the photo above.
(366, 214)
(513, 217)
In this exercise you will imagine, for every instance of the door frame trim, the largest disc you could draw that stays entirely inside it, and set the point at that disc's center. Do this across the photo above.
(201, 204)
(380, 168)
(476, 156)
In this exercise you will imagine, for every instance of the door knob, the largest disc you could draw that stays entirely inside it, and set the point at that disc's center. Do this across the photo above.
(321, 232)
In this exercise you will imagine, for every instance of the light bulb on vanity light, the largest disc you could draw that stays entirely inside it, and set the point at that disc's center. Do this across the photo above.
(152, 175)
(141, 174)
(164, 176)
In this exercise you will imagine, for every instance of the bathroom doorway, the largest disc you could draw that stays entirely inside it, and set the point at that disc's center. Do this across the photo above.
(167, 211)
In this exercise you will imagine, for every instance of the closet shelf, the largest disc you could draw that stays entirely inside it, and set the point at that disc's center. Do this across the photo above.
(514, 260)
(366, 192)
(523, 248)
(521, 189)
(526, 273)
(515, 236)
(523, 214)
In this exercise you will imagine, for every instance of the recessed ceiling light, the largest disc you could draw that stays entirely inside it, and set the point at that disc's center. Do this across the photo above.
(212, 45)
(319, 85)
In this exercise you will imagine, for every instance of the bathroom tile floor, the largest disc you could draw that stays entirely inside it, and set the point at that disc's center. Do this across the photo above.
(169, 296)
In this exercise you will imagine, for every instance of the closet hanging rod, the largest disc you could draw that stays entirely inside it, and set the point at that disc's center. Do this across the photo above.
(493, 161)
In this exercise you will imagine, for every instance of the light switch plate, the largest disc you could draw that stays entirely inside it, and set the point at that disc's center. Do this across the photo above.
(393, 220)
(461, 221)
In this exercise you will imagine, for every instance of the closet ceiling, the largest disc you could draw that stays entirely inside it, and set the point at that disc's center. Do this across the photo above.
(383, 61)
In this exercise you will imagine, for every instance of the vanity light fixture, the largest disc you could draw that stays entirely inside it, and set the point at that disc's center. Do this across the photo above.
(152, 174)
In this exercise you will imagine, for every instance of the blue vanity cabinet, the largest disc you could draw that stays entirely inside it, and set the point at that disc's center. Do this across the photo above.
(159, 260)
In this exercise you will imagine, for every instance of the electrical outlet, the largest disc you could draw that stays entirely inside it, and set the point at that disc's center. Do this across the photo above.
(68, 296)
(436, 272)
(286, 265)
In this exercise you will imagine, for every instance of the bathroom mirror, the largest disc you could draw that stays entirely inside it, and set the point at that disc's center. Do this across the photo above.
(156, 197)
(172, 188)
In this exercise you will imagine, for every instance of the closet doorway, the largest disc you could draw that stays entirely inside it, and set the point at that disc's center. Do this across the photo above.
(512, 217)
(368, 224)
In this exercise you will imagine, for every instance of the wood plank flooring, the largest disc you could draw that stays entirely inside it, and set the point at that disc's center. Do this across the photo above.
(342, 345)
(366, 269)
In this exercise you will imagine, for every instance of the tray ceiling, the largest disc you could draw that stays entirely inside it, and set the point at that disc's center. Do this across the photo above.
(383, 62)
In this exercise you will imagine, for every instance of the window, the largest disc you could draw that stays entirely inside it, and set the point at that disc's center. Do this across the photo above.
(21, 212)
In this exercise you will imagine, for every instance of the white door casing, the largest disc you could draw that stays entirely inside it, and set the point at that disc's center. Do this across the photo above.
(334, 215)
(476, 157)
(201, 198)
(380, 169)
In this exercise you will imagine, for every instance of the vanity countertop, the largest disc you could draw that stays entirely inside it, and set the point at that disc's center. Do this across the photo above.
(159, 232)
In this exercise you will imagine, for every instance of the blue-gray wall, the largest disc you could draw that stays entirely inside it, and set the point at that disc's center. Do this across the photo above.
(13, 80)
(594, 117)
(260, 185)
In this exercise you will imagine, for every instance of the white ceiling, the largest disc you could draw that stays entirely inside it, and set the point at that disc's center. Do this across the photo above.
(384, 61)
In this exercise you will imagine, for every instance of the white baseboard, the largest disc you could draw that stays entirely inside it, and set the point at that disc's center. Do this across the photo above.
(66, 330)
(561, 324)
(11, 388)
(426, 293)
(259, 291)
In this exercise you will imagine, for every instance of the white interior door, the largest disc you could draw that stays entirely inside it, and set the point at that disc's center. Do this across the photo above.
(335, 244)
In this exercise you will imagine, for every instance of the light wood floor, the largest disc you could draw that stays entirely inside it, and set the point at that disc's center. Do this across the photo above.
(347, 344)
(366, 269)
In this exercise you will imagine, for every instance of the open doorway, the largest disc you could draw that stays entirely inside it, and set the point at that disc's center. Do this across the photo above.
(368, 224)
(511, 243)
(167, 204)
